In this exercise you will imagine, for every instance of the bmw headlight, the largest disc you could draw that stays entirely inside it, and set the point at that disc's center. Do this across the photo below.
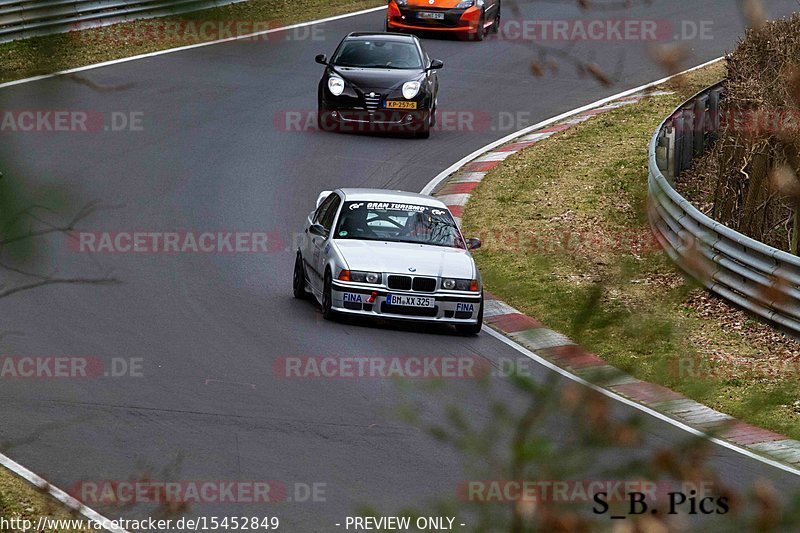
(460, 284)
(365, 277)
(410, 89)
(464, 4)
(335, 85)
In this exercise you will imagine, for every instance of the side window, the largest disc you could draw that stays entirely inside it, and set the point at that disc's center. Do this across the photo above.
(323, 208)
(327, 217)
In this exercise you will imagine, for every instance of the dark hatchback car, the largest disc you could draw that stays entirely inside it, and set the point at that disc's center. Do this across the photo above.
(379, 82)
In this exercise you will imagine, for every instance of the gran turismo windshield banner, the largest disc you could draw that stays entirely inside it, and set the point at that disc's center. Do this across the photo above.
(398, 222)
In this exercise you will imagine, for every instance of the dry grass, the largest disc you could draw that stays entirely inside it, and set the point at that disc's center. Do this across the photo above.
(582, 260)
(43, 55)
(18, 499)
(734, 182)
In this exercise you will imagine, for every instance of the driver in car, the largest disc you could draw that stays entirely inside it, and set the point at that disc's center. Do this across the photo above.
(354, 224)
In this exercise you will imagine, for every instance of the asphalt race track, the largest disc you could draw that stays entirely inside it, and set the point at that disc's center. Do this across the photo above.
(213, 155)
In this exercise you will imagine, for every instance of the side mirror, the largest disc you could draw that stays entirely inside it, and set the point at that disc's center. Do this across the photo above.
(322, 59)
(318, 230)
(436, 64)
(474, 243)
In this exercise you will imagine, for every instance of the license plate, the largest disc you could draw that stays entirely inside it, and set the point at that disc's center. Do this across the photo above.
(430, 16)
(409, 301)
(400, 104)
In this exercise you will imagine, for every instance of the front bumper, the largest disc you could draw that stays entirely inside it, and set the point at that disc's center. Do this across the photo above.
(449, 307)
(454, 20)
(388, 120)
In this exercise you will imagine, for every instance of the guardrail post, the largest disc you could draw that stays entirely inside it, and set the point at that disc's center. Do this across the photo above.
(687, 150)
(677, 151)
(700, 120)
(757, 277)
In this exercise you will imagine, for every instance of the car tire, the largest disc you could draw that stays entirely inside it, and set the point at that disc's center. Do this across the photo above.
(480, 32)
(327, 302)
(470, 330)
(496, 24)
(299, 278)
(425, 131)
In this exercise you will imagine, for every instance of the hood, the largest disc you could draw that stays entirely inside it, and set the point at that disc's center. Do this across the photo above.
(378, 79)
(397, 258)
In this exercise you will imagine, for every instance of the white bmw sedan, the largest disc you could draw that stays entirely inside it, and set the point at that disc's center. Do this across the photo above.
(389, 254)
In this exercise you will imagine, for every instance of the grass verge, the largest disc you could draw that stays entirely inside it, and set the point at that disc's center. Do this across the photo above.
(20, 501)
(44, 55)
(581, 258)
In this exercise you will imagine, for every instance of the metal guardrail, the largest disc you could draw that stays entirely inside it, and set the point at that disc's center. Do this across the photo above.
(21, 19)
(757, 277)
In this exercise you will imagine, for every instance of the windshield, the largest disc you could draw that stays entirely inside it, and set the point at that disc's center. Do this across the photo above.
(378, 54)
(398, 222)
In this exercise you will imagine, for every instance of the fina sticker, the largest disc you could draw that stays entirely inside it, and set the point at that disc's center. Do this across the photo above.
(470, 308)
(327, 248)
(342, 233)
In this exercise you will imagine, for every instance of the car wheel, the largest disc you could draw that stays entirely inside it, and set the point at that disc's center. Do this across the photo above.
(425, 131)
(469, 330)
(480, 32)
(496, 24)
(327, 303)
(299, 278)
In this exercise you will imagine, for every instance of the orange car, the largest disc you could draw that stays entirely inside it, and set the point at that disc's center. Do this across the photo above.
(473, 18)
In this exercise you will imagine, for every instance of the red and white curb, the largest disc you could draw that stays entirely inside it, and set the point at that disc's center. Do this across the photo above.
(454, 190)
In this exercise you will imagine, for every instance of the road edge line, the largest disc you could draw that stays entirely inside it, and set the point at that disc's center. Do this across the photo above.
(435, 182)
(188, 47)
(37, 481)
(460, 194)
(59, 495)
